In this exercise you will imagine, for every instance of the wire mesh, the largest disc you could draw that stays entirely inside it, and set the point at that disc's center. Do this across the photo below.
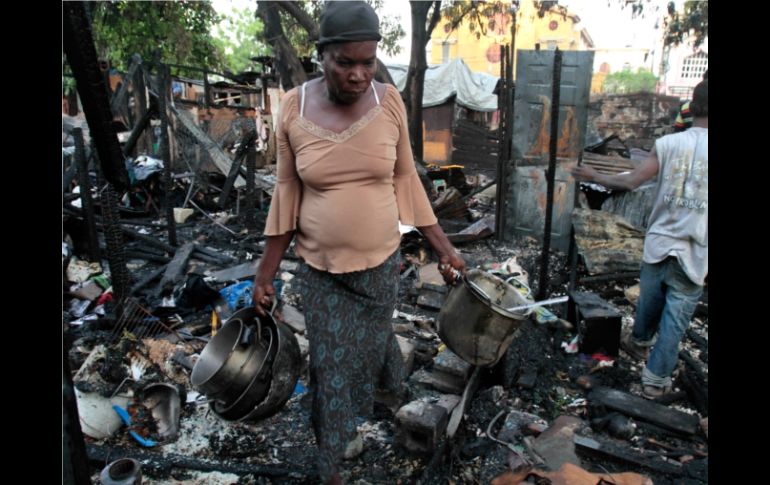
(137, 322)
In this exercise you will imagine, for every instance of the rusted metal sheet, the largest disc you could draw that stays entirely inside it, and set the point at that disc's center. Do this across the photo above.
(529, 204)
(524, 207)
(531, 125)
(437, 133)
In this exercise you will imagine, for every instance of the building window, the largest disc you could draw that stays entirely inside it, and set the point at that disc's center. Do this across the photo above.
(695, 65)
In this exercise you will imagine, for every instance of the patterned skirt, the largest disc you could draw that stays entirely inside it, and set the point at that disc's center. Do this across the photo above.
(352, 350)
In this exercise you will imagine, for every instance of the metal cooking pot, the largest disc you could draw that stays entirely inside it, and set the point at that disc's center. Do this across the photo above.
(474, 321)
(284, 372)
(228, 362)
(256, 390)
(277, 376)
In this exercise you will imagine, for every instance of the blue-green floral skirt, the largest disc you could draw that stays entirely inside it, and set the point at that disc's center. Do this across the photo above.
(352, 350)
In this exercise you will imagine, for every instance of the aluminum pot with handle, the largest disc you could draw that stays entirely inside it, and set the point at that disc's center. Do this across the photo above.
(474, 321)
(276, 379)
(228, 362)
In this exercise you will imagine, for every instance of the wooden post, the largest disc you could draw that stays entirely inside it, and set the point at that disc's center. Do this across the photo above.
(165, 152)
(85, 194)
(143, 143)
(551, 174)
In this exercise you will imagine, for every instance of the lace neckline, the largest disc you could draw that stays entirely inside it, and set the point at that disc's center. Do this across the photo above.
(345, 134)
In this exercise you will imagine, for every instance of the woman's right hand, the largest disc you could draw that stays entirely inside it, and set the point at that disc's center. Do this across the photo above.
(263, 295)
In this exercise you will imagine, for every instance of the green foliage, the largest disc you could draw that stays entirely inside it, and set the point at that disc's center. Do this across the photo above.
(236, 37)
(180, 29)
(390, 28)
(67, 79)
(626, 82)
(693, 22)
(297, 35)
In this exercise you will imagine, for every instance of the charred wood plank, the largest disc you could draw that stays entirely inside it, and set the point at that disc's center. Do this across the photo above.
(81, 55)
(119, 101)
(74, 456)
(99, 455)
(610, 451)
(641, 408)
(696, 366)
(85, 191)
(136, 254)
(608, 277)
(218, 156)
(222, 258)
(147, 280)
(205, 258)
(176, 268)
(149, 240)
(701, 342)
(137, 132)
(247, 143)
(697, 390)
(164, 82)
(478, 230)
(457, 413)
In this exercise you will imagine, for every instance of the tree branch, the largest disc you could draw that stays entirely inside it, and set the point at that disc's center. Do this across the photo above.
(306, 21)
(435, 17)
(289, 66)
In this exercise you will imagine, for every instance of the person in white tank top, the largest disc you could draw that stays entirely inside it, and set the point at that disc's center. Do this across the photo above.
(675, 259)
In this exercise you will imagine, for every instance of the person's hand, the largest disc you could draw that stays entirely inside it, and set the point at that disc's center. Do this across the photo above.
(451, 268)
(583, 173)
(263, 295)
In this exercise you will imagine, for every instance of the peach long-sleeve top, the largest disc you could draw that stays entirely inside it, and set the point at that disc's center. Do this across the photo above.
(344, 193)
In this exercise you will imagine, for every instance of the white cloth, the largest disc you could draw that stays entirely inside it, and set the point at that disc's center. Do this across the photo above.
(678, 224)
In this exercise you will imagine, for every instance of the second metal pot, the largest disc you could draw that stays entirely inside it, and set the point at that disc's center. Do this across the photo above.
(474, 322)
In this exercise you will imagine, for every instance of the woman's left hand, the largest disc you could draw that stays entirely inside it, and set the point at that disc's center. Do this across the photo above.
(451, 268)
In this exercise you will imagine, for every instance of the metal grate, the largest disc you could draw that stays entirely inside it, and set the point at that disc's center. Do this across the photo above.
(138, 322)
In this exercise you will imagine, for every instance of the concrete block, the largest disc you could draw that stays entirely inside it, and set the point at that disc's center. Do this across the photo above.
(447, 362)
(420, 426)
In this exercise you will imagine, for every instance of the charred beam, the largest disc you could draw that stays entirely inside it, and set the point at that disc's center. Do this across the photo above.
(81, 55)
(85, 193)
(101, 454)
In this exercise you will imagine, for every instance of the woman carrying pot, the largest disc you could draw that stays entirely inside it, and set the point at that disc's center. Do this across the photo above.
(346, 176)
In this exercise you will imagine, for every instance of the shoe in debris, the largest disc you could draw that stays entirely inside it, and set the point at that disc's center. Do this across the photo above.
(636, 351)
(654, 392)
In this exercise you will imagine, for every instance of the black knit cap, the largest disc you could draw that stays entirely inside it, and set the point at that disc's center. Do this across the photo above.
(348, 22)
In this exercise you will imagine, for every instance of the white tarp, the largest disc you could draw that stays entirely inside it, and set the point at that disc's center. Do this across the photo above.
(473, 89)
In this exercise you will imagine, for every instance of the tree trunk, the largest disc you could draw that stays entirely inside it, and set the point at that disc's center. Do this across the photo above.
(289, 66)
(418, 64)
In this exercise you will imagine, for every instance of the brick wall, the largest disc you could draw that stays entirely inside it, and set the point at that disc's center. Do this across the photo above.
(638, 119)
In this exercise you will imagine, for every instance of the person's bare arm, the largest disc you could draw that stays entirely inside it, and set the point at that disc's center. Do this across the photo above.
(629, 181)
(449, 260)
(264, 291)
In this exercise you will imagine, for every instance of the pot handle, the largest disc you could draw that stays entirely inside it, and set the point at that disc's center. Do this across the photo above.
(247, 337)
(248, 334)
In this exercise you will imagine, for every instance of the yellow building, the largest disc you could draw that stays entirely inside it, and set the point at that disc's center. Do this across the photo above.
(556, 28)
